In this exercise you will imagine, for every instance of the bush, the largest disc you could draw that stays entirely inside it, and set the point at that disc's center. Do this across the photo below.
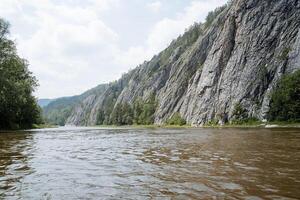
(246, 121)
(239, 113)
(285, 100)
(176, 119)
(213, 122)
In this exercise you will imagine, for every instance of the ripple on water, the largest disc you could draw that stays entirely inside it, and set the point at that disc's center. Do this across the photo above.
(148, 164)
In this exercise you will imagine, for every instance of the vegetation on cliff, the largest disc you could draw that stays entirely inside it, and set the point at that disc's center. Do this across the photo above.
(177, 120)
(285, 100)
(18, 107)
(139, 113)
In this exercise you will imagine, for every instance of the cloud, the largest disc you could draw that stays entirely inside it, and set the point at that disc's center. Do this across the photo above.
(154, 6)
(72, 47)
(63, 45)
(167, 29)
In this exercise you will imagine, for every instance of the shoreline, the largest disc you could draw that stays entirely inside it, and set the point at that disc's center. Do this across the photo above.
(261, 126)
(267, 125)
(34, 126)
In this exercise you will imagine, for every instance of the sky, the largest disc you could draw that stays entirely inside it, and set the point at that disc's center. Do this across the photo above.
(74, 45)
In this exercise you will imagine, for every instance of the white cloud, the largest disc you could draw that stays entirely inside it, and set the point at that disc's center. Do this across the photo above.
(102, 5)
(167, 29)
(71, 48)
(66, 44)
(154, 6)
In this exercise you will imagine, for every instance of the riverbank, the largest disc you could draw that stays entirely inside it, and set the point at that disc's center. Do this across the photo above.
(34, 126)
(254, 125)
(258, 125)
(41, 126)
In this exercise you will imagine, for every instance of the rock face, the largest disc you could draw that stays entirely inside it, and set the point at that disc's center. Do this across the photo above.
(205, 73)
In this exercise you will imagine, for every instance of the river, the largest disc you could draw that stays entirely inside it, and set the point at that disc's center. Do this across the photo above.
(99, 163)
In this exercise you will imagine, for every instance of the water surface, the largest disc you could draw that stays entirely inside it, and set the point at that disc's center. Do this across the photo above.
(90, 163)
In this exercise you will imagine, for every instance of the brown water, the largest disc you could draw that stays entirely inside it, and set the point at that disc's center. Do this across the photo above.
(87, 163)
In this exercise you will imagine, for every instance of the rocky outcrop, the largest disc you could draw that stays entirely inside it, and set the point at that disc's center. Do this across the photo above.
(205, 73)
(247, 58)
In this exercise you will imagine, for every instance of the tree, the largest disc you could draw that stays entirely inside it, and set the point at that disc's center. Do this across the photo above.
(18, 107)
(285, 100)
(213, 14)
(137, 110)
(176, 119)
(127, 114)
(140, 113)
(116, 115)
(122, 114)
(146, 109)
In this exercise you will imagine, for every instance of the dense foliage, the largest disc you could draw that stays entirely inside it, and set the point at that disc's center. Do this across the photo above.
(176, 119)
(285, 100)
(240, 116)
(139, 113)
(18, 107)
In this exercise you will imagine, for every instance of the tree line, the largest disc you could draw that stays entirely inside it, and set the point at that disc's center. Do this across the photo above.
(140, 112)
(18, 106)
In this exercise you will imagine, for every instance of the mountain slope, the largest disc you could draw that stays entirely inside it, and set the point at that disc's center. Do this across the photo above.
(58, 110)
(234, 60)
(44, 102)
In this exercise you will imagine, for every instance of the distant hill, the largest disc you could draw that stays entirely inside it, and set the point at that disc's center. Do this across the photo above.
(58, 110)
(44, 102)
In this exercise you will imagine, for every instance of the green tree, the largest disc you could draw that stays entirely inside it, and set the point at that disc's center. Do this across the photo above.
(18, 107)
(116, 115)
(176, 119)
(127, 114)
(137, 110)
(100, 117)
(122, 114)
(285, 100)
(212, 15)
(146, 116)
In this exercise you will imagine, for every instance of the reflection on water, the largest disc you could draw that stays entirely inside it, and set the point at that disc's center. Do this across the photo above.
(15, 150)
(146, 164)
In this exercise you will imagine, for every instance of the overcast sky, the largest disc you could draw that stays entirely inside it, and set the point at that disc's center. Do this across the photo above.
(74, 45)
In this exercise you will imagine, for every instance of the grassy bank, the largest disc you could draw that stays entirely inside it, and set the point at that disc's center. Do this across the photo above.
(41, 126)
(257, 124)
(144, 126)
(34, 126)
(246, 125)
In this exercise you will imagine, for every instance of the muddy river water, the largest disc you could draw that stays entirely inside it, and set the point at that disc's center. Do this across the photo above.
(99, 163)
